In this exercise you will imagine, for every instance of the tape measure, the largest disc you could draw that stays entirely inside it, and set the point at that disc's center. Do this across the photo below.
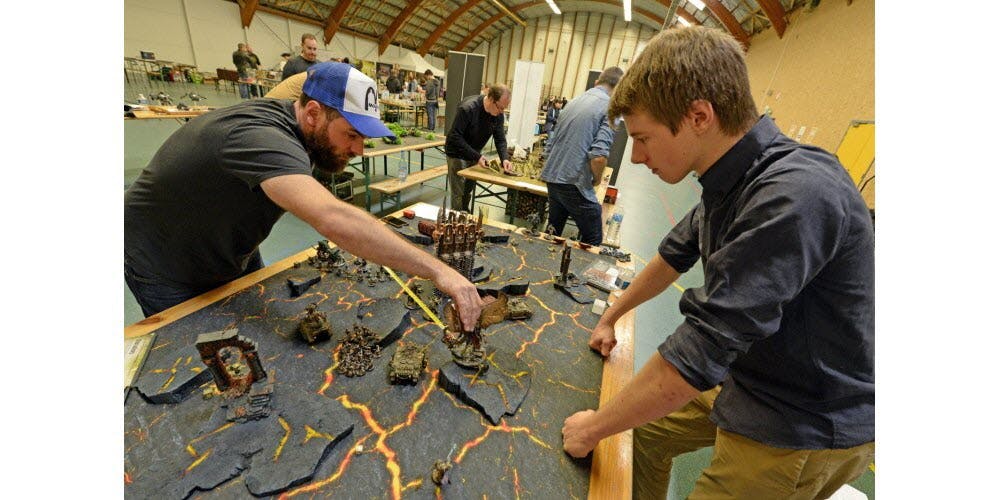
(427, 310)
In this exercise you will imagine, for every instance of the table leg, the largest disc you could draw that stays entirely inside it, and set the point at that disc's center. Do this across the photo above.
(368, 194)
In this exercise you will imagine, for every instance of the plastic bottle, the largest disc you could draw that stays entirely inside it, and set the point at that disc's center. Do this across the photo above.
(403, 170)
(613, 227)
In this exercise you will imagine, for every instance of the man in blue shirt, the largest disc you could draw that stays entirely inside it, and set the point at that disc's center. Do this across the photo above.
(774, 362)
(575, 156)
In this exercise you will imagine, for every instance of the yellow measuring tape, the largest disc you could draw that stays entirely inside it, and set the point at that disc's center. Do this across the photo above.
(430, 314)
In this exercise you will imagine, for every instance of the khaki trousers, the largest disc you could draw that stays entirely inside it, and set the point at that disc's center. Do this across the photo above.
(741, 467)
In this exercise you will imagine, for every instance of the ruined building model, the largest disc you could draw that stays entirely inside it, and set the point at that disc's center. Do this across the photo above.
(457, 237)
(314, 327)
(358, 351)
(238, 373)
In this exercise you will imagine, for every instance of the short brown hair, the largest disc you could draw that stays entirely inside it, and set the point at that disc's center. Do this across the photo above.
(496, 92)
(682, 65)
(307, 36)
(610, 77)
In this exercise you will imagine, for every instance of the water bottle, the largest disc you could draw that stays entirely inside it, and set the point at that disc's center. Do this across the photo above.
(403, 170)
(613, 226)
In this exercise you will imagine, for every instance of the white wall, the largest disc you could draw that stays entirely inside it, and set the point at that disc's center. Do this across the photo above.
(570, 45)
(205, 33)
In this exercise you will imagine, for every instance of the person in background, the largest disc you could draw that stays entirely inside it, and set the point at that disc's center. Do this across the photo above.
(432, 91)
(773, 364)
(304, 60)
(552, 116)
(254, 65)
(477, 119)
(576, 154)
(393, 84)
(285, 56)
(197, 214)
(241, 59)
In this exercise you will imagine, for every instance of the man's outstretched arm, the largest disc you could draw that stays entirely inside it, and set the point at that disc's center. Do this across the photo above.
(361, 234)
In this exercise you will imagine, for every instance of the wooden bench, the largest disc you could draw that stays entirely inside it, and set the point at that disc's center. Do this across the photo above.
(392, 188)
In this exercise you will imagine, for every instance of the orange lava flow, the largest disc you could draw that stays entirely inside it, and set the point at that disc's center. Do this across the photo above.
(336, 475)
(128, 478)
(517, 484)
(503, 427)
(534, 340)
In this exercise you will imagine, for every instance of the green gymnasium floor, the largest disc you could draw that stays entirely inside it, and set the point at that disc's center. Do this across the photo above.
(651, 209)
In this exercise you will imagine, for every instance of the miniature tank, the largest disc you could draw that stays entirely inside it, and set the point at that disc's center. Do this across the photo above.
(407, 364)
(517, 308)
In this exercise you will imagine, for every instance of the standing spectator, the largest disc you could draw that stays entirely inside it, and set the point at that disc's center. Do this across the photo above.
(392, 84)
(575, 156)
(285, 56)
(431, 94)
(477, 118)
(307, 58)
(254, 65)
(412, 86)
(552, 116)
(242, 61)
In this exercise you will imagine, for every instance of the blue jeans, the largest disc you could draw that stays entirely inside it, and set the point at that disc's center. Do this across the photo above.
(153, 295)
(432, 111)
(565, 200)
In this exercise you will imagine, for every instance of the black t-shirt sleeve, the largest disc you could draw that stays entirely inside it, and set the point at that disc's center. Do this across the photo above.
(457, 139)
(500, 138)
(254, 154)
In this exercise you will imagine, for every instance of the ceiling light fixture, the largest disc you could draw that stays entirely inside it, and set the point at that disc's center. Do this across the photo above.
(627, 6)
(683, 21)
(552, 5)
(697, 3)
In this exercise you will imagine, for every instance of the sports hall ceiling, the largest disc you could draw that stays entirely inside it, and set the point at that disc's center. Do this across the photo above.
(437, 26)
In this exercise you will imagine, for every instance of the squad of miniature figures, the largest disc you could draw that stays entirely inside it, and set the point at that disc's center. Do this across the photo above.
(314, 327)
(326, 259)
(358, 351)
(616, 253)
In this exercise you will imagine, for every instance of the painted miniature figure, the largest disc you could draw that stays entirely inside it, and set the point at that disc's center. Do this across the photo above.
(315, 327)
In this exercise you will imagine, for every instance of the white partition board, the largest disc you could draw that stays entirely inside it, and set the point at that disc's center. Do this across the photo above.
(526, 93)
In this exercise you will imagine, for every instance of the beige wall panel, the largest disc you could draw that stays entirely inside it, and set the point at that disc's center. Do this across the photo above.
(516, 46)
(541, 31)
(549, 57)
(603, 39)
(528, 40)
(821, 74)
(491, 61)
(566, 22)
(503, 58)
(575, 53)
(630, 38)
(587, 54)
(614, 56)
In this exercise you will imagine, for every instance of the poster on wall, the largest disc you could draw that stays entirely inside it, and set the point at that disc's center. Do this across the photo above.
(383, 70)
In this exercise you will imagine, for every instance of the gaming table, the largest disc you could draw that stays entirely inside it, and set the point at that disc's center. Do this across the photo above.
(353, 437)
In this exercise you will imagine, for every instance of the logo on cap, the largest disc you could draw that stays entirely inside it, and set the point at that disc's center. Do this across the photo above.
(374, 99)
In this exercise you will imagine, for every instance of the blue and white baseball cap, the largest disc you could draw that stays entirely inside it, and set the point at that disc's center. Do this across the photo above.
(349, 91)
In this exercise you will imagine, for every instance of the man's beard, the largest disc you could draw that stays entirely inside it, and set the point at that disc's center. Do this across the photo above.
(324, 154)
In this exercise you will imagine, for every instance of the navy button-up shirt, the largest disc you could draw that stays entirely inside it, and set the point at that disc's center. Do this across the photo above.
(785, 319)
